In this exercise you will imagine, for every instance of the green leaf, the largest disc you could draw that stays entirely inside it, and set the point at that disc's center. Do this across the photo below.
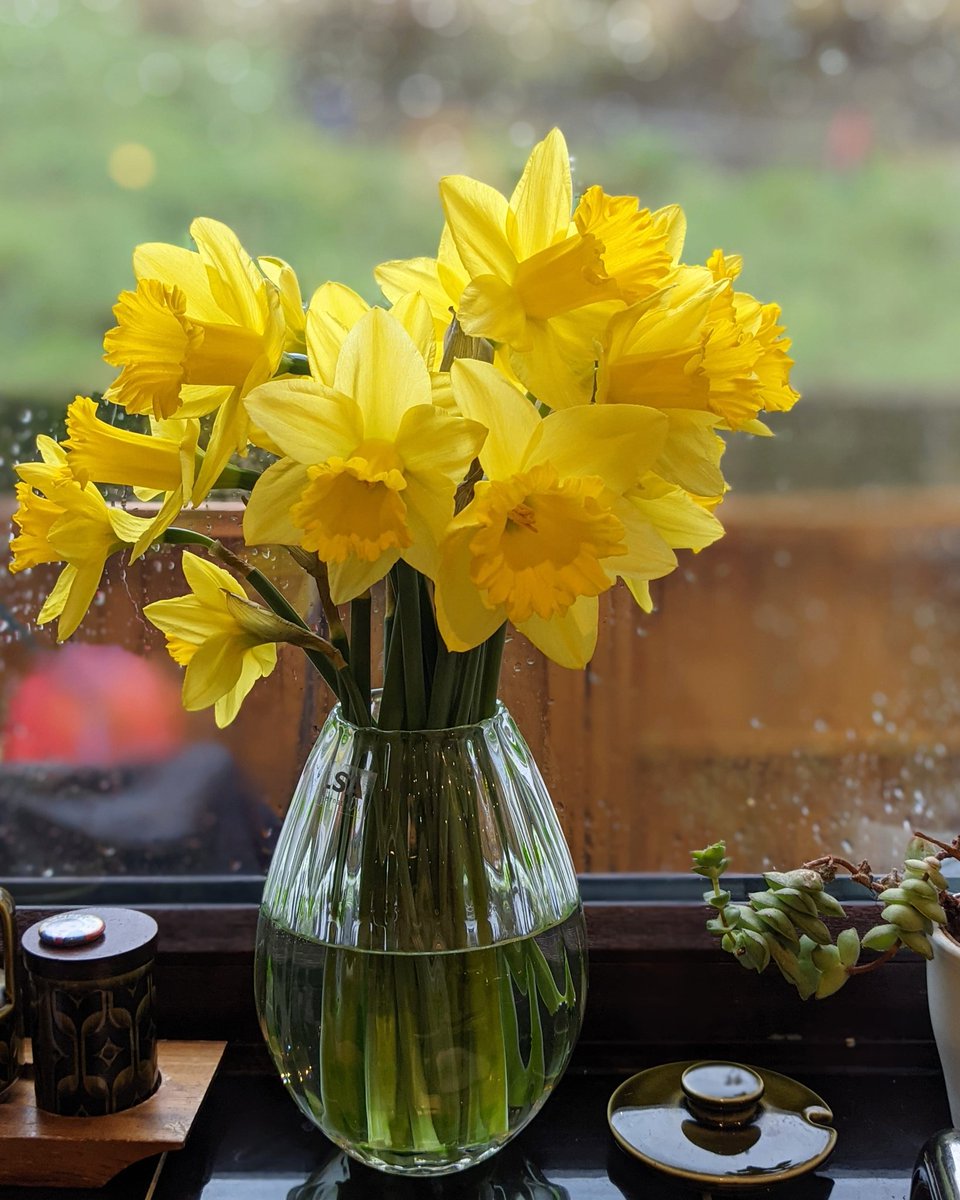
(803, 878)
(919, 943)
(832, 981)
(825, 958)
(848, 943)
(718, 899)
(777, 920)
(813, 927)
(711, 860)
(828, 905)
(881, 938)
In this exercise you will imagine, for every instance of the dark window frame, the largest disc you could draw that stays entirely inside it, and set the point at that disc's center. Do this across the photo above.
(660, 987)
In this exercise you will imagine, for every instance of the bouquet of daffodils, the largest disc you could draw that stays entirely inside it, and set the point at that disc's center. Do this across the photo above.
(535, 414)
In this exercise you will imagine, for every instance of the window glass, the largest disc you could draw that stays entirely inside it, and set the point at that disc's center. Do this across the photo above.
(797, 689)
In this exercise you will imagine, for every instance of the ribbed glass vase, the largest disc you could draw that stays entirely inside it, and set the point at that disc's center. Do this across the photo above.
(421, 955)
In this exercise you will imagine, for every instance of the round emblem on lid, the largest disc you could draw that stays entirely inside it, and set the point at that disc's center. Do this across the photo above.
(71, 929)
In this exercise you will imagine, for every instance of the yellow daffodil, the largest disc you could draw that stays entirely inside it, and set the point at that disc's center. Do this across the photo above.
(549, 528)
(370, 464)
(201, 330)
(71, 524)
(164, 462)
(224, 659)
(524, 275)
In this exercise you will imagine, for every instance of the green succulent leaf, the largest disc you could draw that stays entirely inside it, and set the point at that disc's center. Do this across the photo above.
(832, 981)
(881, 938)
(848, 945)
(777, 920)
(906, 918)
(827, 905)
(919, 943)
(711, 860)
(826, 957)
(803, 878)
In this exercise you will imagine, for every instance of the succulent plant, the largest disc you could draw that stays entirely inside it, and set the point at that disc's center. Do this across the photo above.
(784, 922)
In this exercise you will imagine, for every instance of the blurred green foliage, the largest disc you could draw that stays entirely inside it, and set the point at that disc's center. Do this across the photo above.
(863, 262)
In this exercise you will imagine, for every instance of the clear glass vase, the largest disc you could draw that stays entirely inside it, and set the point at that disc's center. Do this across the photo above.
(421, 953)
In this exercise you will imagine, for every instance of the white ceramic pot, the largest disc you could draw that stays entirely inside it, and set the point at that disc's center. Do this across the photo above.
(943, 996)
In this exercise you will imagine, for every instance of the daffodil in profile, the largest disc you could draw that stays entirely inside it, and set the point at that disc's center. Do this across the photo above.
(163, 462)
(201, 329)
(549, 528)
(370, 464)
(58, 520)
(206, 632)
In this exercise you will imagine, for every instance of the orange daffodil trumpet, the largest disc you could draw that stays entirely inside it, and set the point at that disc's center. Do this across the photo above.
(540, 414)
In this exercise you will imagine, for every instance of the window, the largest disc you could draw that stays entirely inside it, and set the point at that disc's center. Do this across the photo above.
(798, 689)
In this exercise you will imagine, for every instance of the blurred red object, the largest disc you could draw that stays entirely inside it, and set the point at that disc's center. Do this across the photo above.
(93, 705)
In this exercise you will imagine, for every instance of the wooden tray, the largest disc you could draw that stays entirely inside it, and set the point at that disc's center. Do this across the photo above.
(40, 1149)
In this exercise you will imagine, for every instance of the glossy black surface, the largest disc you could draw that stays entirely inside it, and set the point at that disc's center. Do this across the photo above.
(249, 1142)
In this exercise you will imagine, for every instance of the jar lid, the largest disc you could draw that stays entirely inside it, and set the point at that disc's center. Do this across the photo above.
(721, 1123)
(90, 943)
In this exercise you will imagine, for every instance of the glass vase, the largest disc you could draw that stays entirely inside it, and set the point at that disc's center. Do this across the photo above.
(421, 952)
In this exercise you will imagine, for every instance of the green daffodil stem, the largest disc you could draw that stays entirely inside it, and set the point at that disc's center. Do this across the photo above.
(313, 566)
(408, 608)
(360, 611)
(489, 682)
(237, 479)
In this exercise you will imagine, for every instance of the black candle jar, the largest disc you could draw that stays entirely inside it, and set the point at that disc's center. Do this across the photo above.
(92, 1010)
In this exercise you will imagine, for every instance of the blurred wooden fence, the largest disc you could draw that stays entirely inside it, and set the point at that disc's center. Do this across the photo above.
(798, 689)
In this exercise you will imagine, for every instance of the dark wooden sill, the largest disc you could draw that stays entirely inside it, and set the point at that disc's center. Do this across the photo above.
(660, 988)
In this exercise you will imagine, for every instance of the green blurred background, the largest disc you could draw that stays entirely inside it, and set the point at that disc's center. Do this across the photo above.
(816, 137)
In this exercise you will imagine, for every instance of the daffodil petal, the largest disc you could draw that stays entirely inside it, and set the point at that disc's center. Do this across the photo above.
(483, 395)
(267, 520)
(307, 420)
(677, 517)
(229, 431)
(569, 640)
(477, 217)
(80, 596)
(429, 502)
(543, 198)
(213, 671)
(257, 665)
(544, 369)
(413, 313)
(648, 555)
(169, 511)
(189, 618)
(184, 269)
(381, 368)
(56, 600)
(616, 442)
(431, 440)
(490, 308)
(236, 283)
(199, 399)
(207, 580)
(333, 311)
(463, 619)
(352, 577)
(398, 278)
